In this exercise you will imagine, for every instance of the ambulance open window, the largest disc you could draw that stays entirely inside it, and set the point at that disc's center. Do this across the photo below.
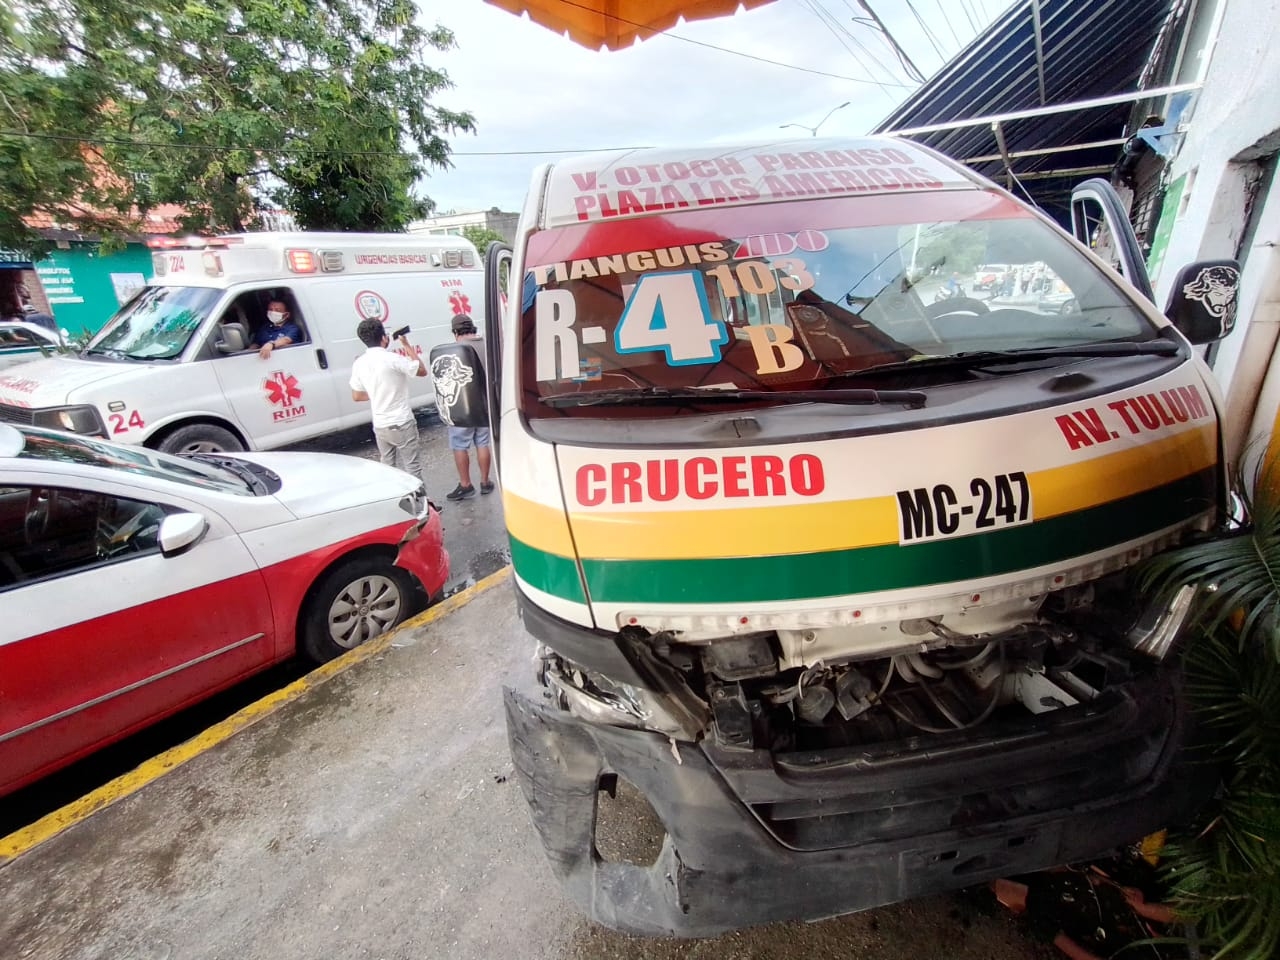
(245, 326)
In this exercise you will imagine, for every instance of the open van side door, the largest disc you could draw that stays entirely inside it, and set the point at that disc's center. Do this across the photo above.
(497, 287)
(1099, 221)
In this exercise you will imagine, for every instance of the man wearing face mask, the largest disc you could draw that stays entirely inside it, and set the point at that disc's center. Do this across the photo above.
(280, 330)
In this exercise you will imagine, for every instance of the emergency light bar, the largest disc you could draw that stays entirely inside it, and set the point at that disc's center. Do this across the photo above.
(300, 261)
(189, 243)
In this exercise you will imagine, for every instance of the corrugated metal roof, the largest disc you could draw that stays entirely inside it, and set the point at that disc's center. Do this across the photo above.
(1090, 48)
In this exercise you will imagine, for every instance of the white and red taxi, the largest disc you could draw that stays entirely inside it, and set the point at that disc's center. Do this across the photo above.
(134, 583)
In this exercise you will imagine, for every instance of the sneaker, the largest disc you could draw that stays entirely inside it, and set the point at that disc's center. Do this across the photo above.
(486, 486)
(460, 493)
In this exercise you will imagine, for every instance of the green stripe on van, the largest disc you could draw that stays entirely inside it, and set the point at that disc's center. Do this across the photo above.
(548, 572)
(892, 567)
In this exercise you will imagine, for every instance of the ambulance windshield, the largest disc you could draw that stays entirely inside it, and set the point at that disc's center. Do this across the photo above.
(801, 296)
(155, 325)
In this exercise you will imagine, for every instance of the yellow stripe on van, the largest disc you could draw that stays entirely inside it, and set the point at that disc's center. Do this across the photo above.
(848, 524)
(537, 524)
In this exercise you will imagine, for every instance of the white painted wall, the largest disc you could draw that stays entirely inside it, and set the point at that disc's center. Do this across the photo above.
(1237, 115)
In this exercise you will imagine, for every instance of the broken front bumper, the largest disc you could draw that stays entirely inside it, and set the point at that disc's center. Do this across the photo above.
(752, 838)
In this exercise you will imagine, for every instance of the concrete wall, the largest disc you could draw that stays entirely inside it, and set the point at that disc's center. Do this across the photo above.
(1234, 128)
(500, 222)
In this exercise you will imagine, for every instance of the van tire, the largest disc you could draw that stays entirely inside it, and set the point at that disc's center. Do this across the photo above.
(390, 594)
(200, 438)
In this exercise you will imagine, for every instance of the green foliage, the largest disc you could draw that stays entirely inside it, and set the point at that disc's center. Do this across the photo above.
(1240, 570)
(481, 237)
(1227, 877)
(215, 104)
(351, 193)
(955, 247)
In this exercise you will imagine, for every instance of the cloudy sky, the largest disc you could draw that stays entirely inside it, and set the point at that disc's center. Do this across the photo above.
(532, 90)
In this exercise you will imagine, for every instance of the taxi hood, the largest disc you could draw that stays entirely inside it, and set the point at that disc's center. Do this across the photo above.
(51, 382)
(315, 484)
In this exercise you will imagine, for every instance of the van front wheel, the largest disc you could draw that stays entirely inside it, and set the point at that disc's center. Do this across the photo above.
(200, 438)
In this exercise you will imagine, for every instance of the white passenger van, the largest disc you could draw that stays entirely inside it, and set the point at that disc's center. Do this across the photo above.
(177, 367)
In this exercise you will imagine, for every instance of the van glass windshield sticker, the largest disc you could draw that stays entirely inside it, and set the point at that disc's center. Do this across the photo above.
(801, 296)
(604, 188)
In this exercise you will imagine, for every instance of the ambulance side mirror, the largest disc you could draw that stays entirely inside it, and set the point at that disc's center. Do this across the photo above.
(232, 339)
(1202, 303)
(458, 376)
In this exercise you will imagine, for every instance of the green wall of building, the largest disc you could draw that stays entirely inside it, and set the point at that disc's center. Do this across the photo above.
(85, 286)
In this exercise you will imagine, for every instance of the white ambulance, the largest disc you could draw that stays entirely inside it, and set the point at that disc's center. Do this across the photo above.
(178, 367)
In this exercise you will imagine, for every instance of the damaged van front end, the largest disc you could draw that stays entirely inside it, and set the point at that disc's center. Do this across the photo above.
(830, 576)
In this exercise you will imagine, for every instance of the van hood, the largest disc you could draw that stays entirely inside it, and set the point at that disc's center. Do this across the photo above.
(314, 484)
(50, 382)
(874, 529)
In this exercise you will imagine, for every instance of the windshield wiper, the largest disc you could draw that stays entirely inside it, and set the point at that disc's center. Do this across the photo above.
(237, 468)
(104, 352)
(649, 395)
(983, 358)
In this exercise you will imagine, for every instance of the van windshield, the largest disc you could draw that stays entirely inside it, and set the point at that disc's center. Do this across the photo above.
(801, 296)
(157, 324)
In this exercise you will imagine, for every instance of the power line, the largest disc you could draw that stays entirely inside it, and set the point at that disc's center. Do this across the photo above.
(837, 29)
(929, 35)
(955, 36)
(912, 70)
(712, 46)
(968, 15)
(208, 147)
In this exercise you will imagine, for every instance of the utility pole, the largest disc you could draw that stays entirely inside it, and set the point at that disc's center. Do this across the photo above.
(912, 70)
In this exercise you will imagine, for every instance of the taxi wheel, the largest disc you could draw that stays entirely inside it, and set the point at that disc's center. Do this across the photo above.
(353, 603)
(200, 438)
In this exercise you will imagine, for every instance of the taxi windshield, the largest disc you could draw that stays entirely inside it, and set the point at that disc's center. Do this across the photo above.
(155, 325)
(799, 296)
(50, 445)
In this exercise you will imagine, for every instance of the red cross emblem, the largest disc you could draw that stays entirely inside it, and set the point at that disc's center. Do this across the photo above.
(283, 389)
(459, 302)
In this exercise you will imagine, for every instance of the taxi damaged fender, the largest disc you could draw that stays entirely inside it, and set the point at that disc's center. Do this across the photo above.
(289, 581)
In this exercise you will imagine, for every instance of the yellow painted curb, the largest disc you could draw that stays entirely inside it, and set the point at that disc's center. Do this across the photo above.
(21, 841)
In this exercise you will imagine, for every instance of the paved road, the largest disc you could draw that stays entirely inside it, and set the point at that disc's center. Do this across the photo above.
(377, 817)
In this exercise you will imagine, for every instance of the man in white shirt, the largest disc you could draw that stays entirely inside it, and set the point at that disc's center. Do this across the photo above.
(382, 378)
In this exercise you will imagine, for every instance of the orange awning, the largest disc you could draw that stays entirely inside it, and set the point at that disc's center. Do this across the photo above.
(617, 23)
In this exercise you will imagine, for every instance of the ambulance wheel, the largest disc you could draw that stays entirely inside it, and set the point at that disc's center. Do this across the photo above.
(353, 603)
(200, 438)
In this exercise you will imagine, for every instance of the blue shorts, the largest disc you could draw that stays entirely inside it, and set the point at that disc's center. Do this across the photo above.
(461, 438)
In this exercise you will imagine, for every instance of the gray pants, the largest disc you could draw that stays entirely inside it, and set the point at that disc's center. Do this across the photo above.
(398, 447)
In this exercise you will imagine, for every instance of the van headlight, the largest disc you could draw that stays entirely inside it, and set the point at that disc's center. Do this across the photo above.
(1159, 626)
(77, 419)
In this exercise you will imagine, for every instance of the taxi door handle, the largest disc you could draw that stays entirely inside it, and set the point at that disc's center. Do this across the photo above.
(322, 360)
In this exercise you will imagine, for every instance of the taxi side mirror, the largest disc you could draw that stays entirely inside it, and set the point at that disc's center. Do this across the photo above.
(1202, 303)
(179, 532)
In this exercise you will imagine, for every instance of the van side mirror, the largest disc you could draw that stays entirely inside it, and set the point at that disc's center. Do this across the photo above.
(458, 375)
(180, 532)
(1202, 303)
